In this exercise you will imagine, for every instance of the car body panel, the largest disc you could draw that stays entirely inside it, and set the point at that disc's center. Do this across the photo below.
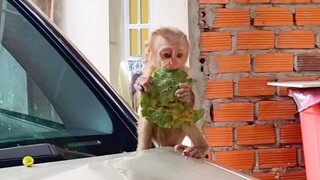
(157, 163)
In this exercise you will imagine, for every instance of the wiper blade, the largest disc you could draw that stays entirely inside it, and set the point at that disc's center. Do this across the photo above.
(40, 152)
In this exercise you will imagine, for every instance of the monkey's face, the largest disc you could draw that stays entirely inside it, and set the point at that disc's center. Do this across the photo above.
(170, 55)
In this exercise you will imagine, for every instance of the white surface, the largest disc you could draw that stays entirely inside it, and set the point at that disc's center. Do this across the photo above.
(172, 13)
(86, 23)
(296, 84)
(153, 164)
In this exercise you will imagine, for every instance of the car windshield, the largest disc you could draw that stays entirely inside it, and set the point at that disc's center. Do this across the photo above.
(42, 96)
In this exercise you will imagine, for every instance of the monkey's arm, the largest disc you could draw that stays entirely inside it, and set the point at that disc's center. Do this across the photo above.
(185, 94)
(145, 129)
(200, 147)
(143, 82)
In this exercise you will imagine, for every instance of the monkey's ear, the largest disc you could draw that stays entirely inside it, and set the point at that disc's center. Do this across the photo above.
(146, 43)
(147, 49)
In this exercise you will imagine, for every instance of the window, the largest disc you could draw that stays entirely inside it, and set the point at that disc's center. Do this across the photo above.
(41, 96)
(137, 22)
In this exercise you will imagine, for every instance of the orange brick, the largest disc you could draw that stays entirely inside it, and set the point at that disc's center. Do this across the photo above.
(240, 160)
(254, 40)
(290, 134)
(264, 176)
(279, 62)
(294, 175)
(219, 136)
(213, 1)
(255, 86)
(255, 135)
(271, 158)
(283, 91)
(298, 39)
(215, 41)
(219, 89)
(233, 63)
(231, 18)
(307, 16)
(308, 62)
(290, 1)
(242, 111)
(273, 16)
(276, 110)
(252, 1)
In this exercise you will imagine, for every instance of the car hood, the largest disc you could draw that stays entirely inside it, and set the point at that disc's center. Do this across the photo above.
(155, 164)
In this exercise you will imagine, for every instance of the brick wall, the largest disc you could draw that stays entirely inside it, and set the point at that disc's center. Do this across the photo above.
(245, 44)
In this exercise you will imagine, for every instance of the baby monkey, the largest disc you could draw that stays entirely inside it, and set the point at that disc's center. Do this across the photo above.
(168, 48)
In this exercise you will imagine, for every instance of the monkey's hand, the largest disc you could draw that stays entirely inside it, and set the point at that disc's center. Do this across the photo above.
(143, 83)
(185, 94)
(195, 152)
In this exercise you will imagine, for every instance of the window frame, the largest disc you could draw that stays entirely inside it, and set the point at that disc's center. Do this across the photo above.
(138, 26)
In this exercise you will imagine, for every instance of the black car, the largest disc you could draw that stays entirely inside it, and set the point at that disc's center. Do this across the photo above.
(50, 94)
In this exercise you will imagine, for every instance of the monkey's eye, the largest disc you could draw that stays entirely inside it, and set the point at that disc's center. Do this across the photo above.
(179, 55)
(167, 55)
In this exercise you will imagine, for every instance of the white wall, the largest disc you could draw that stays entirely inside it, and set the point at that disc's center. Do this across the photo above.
(169, 13)
(86, 23)
(116, 39)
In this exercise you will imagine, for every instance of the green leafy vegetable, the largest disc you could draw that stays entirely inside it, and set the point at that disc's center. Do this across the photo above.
(161, 106)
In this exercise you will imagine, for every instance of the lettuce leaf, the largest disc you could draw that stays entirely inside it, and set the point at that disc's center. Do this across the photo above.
(161, 106)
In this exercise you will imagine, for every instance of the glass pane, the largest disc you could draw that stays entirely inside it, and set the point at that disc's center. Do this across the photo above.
(133, 12)
(144, 37)
(41, 96)
(144, 11)
(133, 42)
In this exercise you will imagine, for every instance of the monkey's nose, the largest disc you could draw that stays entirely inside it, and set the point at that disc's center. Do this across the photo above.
(172, 61)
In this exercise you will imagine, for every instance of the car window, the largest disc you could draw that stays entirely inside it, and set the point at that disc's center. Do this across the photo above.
(41, 96)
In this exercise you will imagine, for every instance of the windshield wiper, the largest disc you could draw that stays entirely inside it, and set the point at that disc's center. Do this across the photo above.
(40, 152)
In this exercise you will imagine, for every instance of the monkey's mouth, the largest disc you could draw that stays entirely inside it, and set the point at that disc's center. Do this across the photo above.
(169, 66)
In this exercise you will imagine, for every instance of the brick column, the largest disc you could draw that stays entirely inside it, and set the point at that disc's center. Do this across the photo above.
(244, 44)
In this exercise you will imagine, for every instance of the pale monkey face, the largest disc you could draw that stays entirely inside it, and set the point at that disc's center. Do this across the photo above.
(171, 55)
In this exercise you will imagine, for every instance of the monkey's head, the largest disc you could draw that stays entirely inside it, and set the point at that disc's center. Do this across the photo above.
(168, 48)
